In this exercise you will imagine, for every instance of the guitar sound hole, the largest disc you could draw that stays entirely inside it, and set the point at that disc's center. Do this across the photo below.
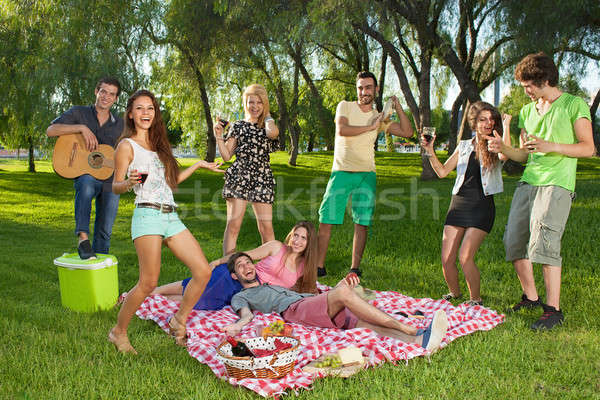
(95, 160)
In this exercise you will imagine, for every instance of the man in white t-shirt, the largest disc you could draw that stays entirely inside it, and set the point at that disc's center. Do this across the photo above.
(357, 124)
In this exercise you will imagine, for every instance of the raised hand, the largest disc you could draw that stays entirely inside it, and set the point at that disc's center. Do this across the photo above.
(218, 128)
(494, 142)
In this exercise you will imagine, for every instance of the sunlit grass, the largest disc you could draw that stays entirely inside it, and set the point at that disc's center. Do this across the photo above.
(52, 353)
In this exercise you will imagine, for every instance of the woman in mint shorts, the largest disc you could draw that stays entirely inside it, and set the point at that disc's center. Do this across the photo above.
(144, 155)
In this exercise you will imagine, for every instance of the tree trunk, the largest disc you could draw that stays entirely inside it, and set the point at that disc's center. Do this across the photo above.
(31, 157)
(211, 142)
(311, 141)
(427, 172)
(454, 128)
(324, 119)
(283, 123)
(294, 137)
(294, 127)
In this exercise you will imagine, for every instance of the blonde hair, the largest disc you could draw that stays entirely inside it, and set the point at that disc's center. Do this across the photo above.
(260, 91)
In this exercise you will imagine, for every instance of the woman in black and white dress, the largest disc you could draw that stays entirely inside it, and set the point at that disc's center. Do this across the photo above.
(249, 179)
(472, 210)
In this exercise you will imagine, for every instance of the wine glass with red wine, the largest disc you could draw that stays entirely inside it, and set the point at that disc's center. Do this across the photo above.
(223, 120)
(143, 171)
(428, 134)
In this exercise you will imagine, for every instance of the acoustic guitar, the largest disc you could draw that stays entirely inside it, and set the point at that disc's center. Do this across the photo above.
(72, 159)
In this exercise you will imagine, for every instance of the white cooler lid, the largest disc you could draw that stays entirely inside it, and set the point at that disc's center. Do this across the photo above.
(72, 261)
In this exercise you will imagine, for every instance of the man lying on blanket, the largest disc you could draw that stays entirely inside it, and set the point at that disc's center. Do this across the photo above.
(339, 308)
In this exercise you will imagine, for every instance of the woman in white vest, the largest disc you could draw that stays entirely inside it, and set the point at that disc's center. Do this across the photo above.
(472, 211)
(145, 163)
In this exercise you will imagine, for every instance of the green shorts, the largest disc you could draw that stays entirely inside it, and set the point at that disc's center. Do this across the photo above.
(147, 221)
(536, 222)
(343, 184)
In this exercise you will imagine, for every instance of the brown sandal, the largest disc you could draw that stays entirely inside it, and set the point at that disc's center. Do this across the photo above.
(177, 330)
(121, 342)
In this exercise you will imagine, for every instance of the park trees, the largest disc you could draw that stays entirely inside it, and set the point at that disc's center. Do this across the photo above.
(53, 53)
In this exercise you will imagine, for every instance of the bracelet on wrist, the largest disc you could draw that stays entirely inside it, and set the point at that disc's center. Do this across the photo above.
(269, 119)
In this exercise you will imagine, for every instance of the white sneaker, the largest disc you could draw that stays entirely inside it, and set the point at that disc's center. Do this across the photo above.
(439, 327)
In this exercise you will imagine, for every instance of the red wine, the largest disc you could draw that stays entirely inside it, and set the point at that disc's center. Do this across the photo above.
(143, 176)
(223, 123)
(239, 349)
(427, 138)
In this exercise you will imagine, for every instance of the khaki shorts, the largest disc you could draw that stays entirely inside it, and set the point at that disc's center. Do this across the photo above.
(536, 222)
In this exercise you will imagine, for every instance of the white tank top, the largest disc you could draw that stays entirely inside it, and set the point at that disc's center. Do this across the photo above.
(155, 188)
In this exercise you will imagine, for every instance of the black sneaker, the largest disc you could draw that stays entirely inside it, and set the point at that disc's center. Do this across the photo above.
(450, 296)
(85, 250)
(321, 271)
(550, 318)
(357, 271)
(525, 303)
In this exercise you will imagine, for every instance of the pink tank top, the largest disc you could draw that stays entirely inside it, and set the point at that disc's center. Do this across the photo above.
(271, 270)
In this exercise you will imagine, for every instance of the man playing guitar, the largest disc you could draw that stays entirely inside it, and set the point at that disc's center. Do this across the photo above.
(97, 125)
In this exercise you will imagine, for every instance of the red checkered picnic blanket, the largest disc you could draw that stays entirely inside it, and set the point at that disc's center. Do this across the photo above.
(204, 335)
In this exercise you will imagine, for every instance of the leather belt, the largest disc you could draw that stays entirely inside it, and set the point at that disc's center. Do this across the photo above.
(164, 208)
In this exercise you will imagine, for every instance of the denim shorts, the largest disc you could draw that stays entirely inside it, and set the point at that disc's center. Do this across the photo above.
(148, 221)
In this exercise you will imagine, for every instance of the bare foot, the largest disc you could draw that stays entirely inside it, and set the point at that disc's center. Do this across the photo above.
(121, 342)
(177, 329)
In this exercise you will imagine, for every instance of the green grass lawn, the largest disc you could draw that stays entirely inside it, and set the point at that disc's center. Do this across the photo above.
(49, 352)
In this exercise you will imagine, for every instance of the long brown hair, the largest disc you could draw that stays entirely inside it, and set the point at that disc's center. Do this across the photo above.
(260, 91)
(307, 283)
(157, 136)
(485, 157)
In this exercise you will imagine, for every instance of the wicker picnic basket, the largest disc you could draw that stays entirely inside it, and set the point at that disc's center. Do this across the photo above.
(275, 365)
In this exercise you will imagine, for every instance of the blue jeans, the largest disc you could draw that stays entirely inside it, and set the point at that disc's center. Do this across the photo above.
(88, 188)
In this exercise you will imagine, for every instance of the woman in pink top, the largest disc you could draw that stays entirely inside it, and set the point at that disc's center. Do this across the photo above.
(291, 264)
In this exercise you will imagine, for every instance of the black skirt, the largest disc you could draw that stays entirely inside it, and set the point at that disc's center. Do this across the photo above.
(469, 212)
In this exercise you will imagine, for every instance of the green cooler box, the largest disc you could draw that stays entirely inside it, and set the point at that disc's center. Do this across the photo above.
(88, 285)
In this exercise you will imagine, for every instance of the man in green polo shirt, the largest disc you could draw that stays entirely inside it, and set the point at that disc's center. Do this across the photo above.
(556, 129)
(357, 124)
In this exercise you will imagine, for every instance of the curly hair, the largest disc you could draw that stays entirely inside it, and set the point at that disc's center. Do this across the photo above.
(157, 136)
(537, 68)
(486, 158)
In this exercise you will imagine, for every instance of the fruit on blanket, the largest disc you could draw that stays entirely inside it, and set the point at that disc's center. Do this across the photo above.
(287, 330)
(330, 361)
(277, 328)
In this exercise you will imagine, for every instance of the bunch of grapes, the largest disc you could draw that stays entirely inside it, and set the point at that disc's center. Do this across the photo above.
(330, 361)
(276, 327)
